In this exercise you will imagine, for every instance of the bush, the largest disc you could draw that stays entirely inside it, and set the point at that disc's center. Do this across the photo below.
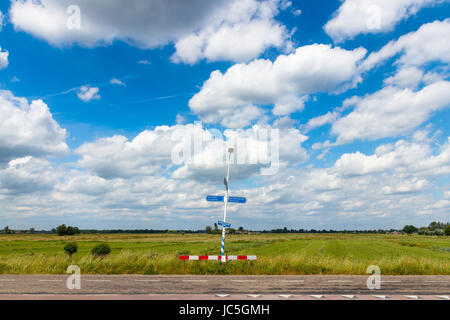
(71, 248)
(101, 250)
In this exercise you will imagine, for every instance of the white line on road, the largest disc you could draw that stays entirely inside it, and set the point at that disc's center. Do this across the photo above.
(339, 281)
(292, 280)
(243, 280)
(7, 280)
(147, 280)
(443, 281)
(53, 280)
(195, 280)
(391, 281)
(99, 280)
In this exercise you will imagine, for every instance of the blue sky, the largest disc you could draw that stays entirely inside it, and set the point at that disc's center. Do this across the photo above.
(89, 112)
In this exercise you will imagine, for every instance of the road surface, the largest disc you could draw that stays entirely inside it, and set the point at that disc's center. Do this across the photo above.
(223, 287)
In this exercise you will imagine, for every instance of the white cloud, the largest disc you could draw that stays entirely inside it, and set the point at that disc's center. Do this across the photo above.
(86, 93)
(390, 112)
(158, 151)
(371, 16)
(27, 174)
(3, 58)
(146, 23)
(28, 129)
(417, 48)
(117, 82)
(284, 82)
(393, 186)
(406, 77)
(215, 30)
(319, 121)
(146, 62)
(239, 33)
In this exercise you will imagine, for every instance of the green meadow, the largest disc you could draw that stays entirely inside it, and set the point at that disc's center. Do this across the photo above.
(277, 254)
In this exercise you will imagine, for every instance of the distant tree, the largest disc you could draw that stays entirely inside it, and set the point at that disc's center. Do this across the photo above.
(71, 248)
(232, 231)
(241, 229)
(31, 230)
(447, 230)
(409, 229)
(7, 230)
(208, 229)
(216, 228)
(70, 231)
(61, 230)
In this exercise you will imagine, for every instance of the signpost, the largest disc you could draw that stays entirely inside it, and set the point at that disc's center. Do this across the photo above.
(224, 224)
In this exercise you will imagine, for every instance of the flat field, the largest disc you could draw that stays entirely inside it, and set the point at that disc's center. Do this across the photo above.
(277, 254)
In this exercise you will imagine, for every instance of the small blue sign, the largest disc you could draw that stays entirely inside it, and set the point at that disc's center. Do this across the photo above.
(237, 199)
(215, 198)
(224, 224)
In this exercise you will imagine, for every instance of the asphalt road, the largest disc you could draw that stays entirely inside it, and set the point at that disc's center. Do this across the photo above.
(222, 287)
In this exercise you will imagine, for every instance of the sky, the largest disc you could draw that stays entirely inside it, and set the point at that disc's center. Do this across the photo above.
(118, 114)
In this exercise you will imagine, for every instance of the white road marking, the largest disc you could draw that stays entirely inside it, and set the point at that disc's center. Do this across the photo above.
(254, 295)
(243, 280)
(381, 297)
(292, 280)
(348, 296)
(444, 297)
(48, 280)
(390, 281)
(339, 281)
(195, 280)
(7, 280)
(287, 296)
(317, 296)
(444, 281)
(147, 280)
(99, 280)
(412, 297)
(222, 295)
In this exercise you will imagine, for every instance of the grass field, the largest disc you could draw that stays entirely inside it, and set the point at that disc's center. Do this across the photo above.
(277, 254)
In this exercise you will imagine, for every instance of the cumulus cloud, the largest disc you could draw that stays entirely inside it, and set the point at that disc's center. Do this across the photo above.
(27, 174)
(86, 93)
(371, 16)
(283, 83)
(3, 58)
(415, 48)
(390, 112)
(387, 188)
(240, 32)
(215, 30)
(28, 129)
(191, 152)
(406, 77)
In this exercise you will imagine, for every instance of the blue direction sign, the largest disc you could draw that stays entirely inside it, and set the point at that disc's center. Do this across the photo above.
(224, 224)
(237, 199)
(215, 198)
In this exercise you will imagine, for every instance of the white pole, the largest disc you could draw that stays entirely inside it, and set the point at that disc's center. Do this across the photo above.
(222, 247)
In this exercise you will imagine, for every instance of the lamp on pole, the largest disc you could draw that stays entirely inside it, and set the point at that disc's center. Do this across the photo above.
(226, 182)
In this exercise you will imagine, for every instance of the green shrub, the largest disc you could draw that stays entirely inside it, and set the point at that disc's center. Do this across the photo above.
(101, 250)
(71, 248)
